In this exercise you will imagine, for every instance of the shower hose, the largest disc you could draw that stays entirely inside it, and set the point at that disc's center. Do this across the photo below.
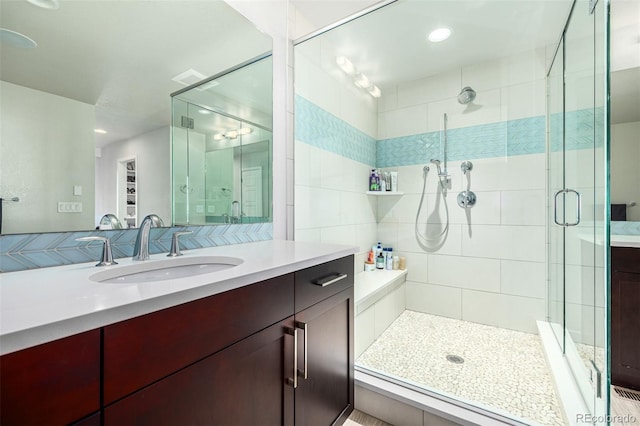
(423, 239)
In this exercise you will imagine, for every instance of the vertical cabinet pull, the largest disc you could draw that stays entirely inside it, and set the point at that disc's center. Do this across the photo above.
(555, 207)
(293, 382)
(304, 327)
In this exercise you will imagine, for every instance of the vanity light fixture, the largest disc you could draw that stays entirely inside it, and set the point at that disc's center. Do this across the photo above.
(359, 79)
(100, 131)
(345, 65)
(204, 111)
(439, 34)
(233, 134)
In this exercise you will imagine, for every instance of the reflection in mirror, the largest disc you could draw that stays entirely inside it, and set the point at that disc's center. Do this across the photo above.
(222, 144)
(98, 65)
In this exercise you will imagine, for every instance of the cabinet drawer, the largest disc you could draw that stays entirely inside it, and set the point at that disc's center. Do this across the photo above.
(625, 259)
(142, 350)
(321, 281)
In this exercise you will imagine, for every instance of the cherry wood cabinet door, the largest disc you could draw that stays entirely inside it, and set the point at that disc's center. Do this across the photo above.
(245, 384)
(145, 349)
(55, 383)
(326, 395)
(625, 317)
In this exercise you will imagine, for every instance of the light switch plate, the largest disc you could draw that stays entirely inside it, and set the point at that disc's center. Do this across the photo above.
(77, 189)
(69, 207)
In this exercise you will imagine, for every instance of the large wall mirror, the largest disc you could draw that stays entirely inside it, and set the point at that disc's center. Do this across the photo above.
(222, 148)
(76, 68)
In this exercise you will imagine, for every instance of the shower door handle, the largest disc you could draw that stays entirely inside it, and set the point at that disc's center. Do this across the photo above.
(555, 207)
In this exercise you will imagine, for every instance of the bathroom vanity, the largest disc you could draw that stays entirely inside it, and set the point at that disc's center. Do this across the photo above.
(269, 341)
(625, 316)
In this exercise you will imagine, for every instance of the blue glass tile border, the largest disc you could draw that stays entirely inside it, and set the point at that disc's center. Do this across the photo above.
(319, 128)
(30, 251)
(524, 136)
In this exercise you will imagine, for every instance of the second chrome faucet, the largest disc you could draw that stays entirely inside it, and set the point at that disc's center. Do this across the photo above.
(141, 248)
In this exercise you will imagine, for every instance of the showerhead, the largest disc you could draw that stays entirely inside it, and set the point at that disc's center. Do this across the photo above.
(466, 95)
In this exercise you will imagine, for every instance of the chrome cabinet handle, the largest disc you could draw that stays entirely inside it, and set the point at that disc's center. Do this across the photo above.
(325, 281)
(293, 382)
(304, 327)
(578, 207)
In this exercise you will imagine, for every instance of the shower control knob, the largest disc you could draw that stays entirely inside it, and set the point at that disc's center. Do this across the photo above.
(466, 199)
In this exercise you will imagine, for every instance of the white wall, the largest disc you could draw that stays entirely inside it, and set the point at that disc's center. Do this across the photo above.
(45, 138)
(152, 152)
(625, 173)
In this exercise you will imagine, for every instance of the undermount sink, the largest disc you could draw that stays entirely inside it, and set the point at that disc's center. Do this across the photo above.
(165, 269)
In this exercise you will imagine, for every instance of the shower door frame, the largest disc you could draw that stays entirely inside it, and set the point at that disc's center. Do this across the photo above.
(578, 249)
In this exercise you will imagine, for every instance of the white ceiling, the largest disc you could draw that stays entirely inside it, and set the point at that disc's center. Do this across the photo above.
(120, 55)
(482, 30)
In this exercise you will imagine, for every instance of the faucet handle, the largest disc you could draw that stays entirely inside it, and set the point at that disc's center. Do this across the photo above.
(107, 254)
(175, 243)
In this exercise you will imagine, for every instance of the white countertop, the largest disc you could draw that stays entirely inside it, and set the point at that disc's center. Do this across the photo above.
(625, 241)
(42, 305)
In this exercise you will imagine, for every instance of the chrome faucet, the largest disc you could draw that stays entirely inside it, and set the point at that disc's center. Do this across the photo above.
(141, 249)
(111, 221)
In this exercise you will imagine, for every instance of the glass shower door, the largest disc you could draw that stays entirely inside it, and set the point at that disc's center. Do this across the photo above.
(577, 176)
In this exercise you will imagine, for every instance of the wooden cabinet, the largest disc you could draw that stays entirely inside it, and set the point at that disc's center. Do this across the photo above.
(324, 317)
(55, 383)
(244, 384)
(625, 317)
(227, 359)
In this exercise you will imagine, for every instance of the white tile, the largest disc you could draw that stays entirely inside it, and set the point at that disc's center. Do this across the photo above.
(509, 173)
(465, 272)
(434, 238)
(410, 178)
(524, 243)
(505, 311)
(313, 84)
(402, 122)
(364, 331)
(389, 99)
(290, 181)
(433, 420)
(485, 109)
(360, 110)
(433, 88)
(366, 234)
(526, 207)
(483, 241)
(579, 284)
(312, 234)
(338, 234)
(290, 223)
(417, 266)
(526, 67)
(386, 409)
(388, 234)
(388, 309)
(485, 75)
(434, 299)
(523, 278)
(523, 100)
(486, 211)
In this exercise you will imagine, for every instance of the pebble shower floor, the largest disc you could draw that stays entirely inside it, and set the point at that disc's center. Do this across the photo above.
(503, 370)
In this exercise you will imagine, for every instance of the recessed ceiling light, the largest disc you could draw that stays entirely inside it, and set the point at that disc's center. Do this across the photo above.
(439, 34)
(101, 131)
(45, 4)
(16, 39)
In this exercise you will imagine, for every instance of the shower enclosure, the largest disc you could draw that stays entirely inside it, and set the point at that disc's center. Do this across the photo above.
(512, 107)
(578, 215)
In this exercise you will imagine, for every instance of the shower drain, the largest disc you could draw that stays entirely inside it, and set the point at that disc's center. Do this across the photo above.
(455, 359)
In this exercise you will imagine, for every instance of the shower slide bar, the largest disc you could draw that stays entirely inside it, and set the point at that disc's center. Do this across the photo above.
(555, 207)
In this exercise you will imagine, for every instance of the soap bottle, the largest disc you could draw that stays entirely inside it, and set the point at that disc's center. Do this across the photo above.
(372, 180)
(380, 261)
(389, 259)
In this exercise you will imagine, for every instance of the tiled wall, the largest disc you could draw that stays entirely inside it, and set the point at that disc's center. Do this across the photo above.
(28, 251)
(491, 267)
(335, 150)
